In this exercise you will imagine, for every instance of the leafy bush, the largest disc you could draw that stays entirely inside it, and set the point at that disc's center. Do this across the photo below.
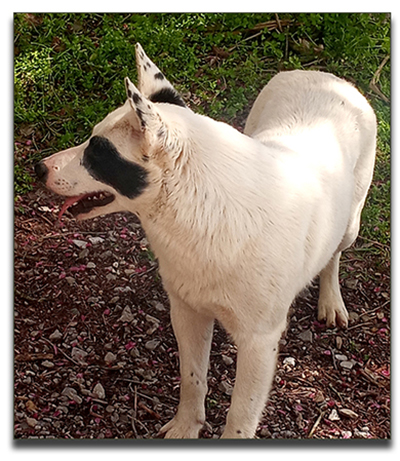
(69, 71)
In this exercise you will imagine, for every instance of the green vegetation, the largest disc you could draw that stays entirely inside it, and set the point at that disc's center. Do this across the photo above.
(69, 71)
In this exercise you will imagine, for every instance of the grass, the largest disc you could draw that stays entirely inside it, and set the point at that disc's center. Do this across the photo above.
(69, 71)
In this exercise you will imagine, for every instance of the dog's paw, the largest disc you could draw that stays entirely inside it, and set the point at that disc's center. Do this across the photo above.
(178, 428)
(335, 314)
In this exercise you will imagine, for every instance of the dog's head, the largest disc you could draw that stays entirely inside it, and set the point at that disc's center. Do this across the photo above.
(120, 167)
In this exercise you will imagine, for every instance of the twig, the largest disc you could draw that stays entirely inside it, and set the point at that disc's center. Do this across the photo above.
(373, 84)
(278, 21)
(360, 325)
(336, 392)
(62, 352)
(311, 433)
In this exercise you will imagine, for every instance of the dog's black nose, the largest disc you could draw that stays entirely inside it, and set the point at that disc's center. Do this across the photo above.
(41, 171)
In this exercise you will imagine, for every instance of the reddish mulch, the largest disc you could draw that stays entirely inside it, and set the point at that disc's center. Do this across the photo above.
(73, 332)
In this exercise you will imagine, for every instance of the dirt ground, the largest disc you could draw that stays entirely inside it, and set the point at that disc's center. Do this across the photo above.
(95, 355)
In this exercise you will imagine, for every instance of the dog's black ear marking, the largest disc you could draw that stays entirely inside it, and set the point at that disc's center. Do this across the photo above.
(105, 164)
(167, 95)
(136, 98)
(129, 93)
(159, 76)
(141, 117)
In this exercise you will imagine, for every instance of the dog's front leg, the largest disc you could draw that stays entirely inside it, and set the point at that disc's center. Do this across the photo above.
(193, 332)
(256, 363)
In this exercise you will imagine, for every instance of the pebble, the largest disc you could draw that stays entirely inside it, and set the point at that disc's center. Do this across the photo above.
(110, 358)
(91, 265)
(160, 307)
(225, 387)
(289, 361)
(152, 344)
(79, 243)
(334, 416)
(306, 336)
(227, 360)
(70, 280)
(31, 422)
(348, 364)
(347, 412)
(99, 391)
(47, 364)
(78, 354)
(127, 315)
(55, 335)
(340, 357)
(96, 240)
(71, 393)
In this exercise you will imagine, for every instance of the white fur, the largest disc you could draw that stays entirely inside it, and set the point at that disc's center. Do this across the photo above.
(241, 223)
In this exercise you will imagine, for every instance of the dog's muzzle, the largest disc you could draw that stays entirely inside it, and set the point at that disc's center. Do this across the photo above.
(41, 171)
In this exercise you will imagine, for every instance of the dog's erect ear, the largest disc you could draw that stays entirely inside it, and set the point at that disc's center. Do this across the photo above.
(149, 121)
(152, 82)
(147, 115)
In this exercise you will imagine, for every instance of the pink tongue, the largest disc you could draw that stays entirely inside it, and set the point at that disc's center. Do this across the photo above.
(69, 202)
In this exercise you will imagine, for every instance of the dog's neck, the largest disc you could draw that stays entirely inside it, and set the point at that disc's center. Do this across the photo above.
(212, 177)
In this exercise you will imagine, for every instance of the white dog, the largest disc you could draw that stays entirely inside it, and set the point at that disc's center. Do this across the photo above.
(240, 223)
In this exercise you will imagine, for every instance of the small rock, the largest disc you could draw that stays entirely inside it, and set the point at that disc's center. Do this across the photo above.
(348, 412)
(79, 243)
(55, 335)
(227, 360)
(319, 397)
(71, 393)
(362, 434)
(289, 361)
(160, 307)
(340, 357)
(96, 240)
(91, 265)
(31, 422)
(339, 342)
(111, 277)
(334, 416)
(348, 364)
(47, 364)
(106, 254)
(93, 300)
(347, 434)
(306, 336)
(127, 315)
(83, 254)
(351, 283)
(353, 316)
(110, 358)
(225, 387)
(70, 280)
(78, 354)
(152, 344)
(99, 391)
(265, 432)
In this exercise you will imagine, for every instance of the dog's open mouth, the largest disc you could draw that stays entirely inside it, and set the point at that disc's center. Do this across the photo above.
(85, 203)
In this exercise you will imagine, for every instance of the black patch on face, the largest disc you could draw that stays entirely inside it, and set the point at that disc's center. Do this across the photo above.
(159, 76)
(167, 95)
(105, 164)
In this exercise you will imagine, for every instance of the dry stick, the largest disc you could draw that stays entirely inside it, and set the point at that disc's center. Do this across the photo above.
(311, 433)
(375, 78)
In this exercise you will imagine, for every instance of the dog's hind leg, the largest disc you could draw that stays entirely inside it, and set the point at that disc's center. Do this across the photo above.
(193, 332)
(256, 363)
(330, 302)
